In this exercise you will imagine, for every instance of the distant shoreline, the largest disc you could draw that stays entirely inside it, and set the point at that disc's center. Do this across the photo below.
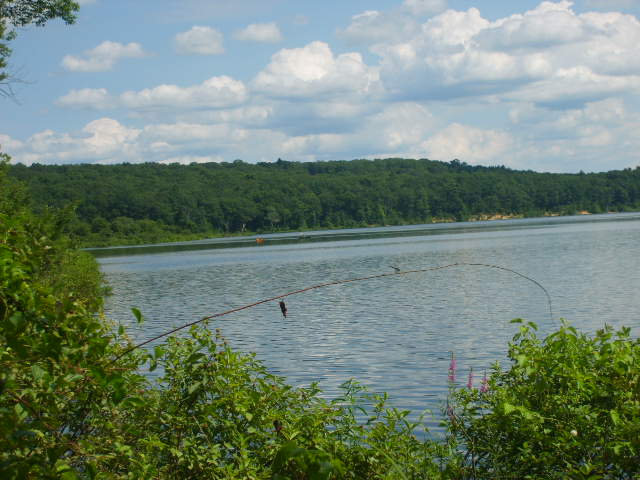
(248, 237)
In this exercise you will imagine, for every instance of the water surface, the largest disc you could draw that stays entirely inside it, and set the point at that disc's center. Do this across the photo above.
(394, 334)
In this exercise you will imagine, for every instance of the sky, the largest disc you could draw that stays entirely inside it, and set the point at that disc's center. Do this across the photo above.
(544, 86)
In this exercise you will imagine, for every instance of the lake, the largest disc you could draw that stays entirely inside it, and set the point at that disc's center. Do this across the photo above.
(394, 333)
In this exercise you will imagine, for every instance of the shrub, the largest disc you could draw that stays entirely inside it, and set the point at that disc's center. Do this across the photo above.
(569, 407)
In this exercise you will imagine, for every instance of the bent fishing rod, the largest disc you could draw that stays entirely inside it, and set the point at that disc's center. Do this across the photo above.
(397, 272)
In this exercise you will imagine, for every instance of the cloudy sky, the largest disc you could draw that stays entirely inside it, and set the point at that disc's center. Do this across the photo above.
(551, 86)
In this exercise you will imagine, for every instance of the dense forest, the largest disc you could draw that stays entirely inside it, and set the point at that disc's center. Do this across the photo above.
(134, 203)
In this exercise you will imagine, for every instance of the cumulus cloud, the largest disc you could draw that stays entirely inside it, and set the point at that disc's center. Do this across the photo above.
(373, 27)
(612, 4)
(96, 98)
(595, 137)
(425, 7)
(572, 87)
(102, 140)
(401, 128)
(8, 144)
(395, 130)
(550, 55)
(260, 32)
(216, 92)
(471, 144)
(548, 25)
(103, 57)
(199, 41)
(174, 133)
(313, 70)
(248, 115)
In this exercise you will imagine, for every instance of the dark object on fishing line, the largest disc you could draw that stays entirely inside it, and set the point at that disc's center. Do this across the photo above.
(283, 309)
(277, 424)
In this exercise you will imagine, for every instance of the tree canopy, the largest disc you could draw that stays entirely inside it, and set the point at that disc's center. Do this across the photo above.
(141, 203)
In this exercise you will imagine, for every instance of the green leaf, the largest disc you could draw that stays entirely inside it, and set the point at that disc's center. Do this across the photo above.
(615, 417)
(288, 451)
(38, 372)
(137, 314)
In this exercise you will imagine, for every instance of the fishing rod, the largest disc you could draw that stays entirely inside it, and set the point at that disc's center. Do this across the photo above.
(338, 282)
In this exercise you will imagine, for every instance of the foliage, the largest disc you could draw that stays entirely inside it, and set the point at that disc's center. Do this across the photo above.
(25, 12)
(142, 203)
(569, 407)
(220, 414)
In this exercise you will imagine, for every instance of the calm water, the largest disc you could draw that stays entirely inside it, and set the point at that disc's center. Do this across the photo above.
(394, 334)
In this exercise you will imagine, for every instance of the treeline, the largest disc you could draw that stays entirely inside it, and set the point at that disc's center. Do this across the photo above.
(152, 202)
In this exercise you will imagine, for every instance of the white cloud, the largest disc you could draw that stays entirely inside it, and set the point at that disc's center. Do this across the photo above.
(425, 7)
(216, 92)
(612, 4)
(595, 137)
(468, 143)
(396, 130)
(173, 133)
(601, 135)
(373, 27)
(575, 86)
(103, 57)
(108, 136)
(102, 140)
(401, 128)
(199, 41)
(313, 70)
(96, 98)
(8, 144)
(250, 115)
(260, 32)
(549, 54)
(547, 25)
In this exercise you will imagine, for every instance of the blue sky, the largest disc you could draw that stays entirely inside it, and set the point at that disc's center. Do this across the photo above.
(547, 86)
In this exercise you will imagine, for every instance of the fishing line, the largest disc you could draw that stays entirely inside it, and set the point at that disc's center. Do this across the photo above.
(339, 282)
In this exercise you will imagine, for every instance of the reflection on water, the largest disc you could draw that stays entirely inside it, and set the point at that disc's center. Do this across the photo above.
(393, 333)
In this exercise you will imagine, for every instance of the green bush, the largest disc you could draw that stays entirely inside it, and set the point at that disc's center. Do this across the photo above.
(569, 407)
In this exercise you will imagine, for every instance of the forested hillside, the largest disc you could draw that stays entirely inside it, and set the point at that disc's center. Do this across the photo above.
(135, 203)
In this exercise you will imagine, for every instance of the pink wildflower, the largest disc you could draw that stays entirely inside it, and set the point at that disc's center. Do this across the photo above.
(470, 379)
(452, 368)
(484, 386)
